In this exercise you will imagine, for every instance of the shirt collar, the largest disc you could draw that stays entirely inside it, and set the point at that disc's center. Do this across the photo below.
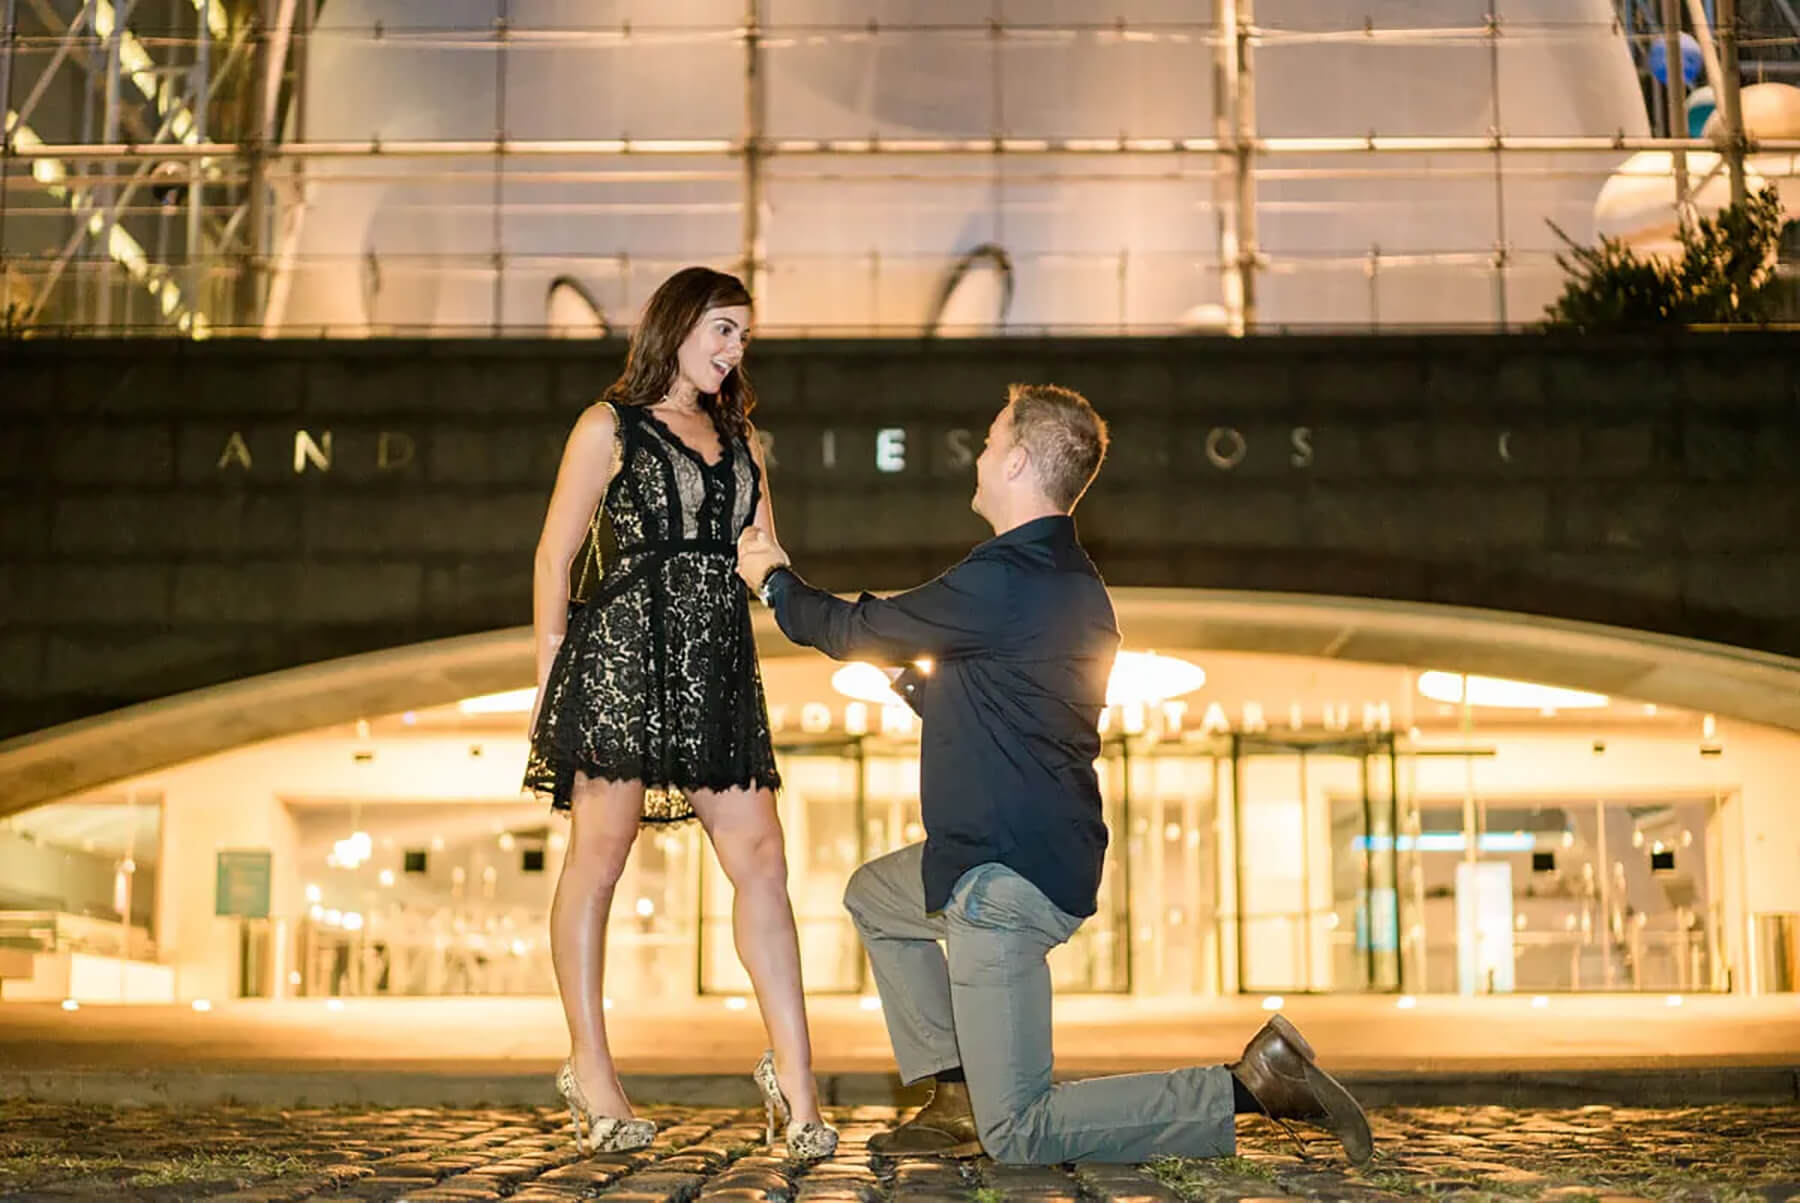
(1050, 527)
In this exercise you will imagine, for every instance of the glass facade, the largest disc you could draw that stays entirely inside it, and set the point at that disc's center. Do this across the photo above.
(1294, 826)
(498, 167)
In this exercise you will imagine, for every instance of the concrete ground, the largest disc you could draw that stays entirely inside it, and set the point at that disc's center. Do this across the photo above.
(61, 1152)
(1570, 1050)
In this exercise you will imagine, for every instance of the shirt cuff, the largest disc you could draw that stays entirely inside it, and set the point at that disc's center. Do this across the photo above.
(773, 584)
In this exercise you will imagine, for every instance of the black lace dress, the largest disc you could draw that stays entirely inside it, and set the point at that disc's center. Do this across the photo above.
(656, 679)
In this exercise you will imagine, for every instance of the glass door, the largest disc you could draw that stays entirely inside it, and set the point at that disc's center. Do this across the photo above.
(1315, 882)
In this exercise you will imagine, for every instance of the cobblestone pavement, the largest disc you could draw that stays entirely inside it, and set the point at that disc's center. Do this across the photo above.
(54, 1152)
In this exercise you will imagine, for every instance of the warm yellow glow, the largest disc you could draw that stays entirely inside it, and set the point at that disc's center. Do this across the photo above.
(866, 683)
(352, 852)
(513, 701)
(1499, 692)
(1138, 678)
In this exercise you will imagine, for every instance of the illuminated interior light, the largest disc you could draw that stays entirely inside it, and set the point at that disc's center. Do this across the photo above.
(1499, 692)
(865, 683)
(1143, 677)
(1448, 841)
(512, 701)
(1138, 678)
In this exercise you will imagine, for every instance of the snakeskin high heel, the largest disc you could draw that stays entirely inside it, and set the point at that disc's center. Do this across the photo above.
(805, 1142)
(605, 1133)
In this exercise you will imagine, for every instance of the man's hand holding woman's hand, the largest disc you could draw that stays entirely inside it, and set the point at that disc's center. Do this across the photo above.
(757, 556)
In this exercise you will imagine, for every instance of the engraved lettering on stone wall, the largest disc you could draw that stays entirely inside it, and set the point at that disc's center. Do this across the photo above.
(890, 449)
(308, 450)
(1300, 438)
(1225, 447)
(236, 452)
(962, 447)
(394, 450)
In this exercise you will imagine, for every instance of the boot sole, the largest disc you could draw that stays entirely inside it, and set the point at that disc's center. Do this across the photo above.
(961, 1152)
(1348, 1122)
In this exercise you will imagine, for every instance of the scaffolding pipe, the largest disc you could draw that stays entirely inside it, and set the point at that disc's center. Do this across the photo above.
(1243, 136)
(9, 30)
(1224, 194)
(281, 38)
(90, 85)
(503, 33)
(294, 218)
(1677, 94)
(754, 125)
(255, 254)
(1709, 54)
(200, 101)
(107, 193)
(1730, 101)
(1500, 237)
(865, 148)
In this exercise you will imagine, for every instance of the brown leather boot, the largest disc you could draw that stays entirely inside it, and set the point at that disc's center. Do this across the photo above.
(943, 1127)
(1277, 1069)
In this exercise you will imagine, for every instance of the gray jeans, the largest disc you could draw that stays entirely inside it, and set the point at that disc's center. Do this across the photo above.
(981, 1000)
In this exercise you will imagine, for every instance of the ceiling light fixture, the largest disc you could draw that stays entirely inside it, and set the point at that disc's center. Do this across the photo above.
(1501, 693)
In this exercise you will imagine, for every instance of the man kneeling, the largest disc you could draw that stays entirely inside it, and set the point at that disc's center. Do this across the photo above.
(1019, 638)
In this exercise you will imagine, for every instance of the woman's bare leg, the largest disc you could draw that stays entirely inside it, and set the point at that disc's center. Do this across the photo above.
(746, 837)
(602, 828)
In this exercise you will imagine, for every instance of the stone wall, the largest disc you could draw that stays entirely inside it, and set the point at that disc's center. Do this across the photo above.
(177, 515)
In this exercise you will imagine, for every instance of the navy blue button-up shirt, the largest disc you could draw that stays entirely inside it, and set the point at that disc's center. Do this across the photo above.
(1021, 636)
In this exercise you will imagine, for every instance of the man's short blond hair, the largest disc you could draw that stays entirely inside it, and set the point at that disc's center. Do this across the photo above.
(1063, 435)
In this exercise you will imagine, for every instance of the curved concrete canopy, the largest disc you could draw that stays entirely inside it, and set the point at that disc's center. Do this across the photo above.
(1753, 686)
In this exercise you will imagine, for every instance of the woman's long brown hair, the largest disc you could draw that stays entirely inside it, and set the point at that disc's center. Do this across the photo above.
(650, 365)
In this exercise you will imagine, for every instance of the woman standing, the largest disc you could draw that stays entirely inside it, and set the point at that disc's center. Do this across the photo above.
(650, 703)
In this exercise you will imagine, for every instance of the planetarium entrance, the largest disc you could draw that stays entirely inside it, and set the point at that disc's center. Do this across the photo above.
(1316, 890)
